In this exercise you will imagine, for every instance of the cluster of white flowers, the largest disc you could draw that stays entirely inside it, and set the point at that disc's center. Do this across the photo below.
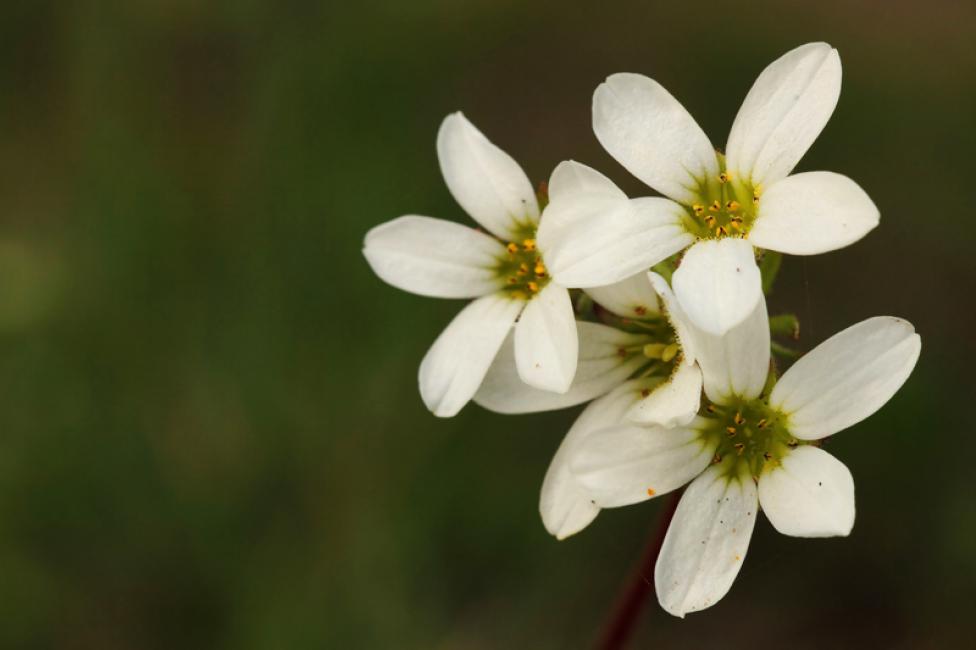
(567, 309)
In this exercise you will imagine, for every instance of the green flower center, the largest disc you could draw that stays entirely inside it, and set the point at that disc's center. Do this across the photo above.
(726, 206)
(522, 268)
(750, 432)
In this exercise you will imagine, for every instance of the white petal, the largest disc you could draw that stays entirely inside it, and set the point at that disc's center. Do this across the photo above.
(633, 297)
(683, 327)
(484, 180)
(674, 402)
(571, 180)
(783, 114)
(847, 377)
(718, 283)
(737, 363)
(812, 213)
(454, 366)
(546, 348)
(433, 257)
(592, 236)
(629, 463)
(651, 134)
(706, 542)
(810, 494)
(600, 369)
(567, 507)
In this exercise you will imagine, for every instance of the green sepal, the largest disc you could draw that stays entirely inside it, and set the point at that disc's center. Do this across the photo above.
(785, 325)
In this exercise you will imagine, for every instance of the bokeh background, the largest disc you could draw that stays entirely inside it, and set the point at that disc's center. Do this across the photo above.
(211, 433)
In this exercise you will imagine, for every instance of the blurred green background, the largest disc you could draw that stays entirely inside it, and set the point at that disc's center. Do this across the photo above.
(211, 432)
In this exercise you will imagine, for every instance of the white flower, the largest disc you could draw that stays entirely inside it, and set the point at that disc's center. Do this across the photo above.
(719, 206)
(749, 450)
(503, 271)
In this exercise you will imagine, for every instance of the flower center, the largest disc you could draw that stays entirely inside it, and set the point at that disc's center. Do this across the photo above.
(750, 432)
(522, 267)
(726, 206)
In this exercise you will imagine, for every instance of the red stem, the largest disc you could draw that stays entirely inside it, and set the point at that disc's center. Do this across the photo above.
(620, 624)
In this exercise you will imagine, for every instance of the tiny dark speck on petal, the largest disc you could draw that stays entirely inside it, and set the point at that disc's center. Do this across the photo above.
(738, 270)
(819, 483)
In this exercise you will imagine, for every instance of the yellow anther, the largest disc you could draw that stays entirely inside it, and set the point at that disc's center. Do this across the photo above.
(669, 352)
(533, 286)
(710, 408)
(654, 350)
(761, 424)
(716, 459)
(512, 280)
(710, 221)
(724, 177)
(738, 419)
(721, 231)
(715, 206)
(739, 448)
(730, 431)
(698, 208)
(528, 244)
(512, 247)
(651, 492)
(540, 269)
(732, 206)
(523, 268)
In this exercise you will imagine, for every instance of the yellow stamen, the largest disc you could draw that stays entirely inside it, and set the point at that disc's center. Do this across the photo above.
(540, 269)
(698, 209)
(724, 177)
(715, 206)
(732, 206)
(654, 350)
(669, 352)
(533, 286)
(738, 419)
(528, 245)
(512, 247)
(651, 492)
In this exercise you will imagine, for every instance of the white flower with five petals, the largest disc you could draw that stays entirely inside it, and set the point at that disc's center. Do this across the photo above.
(718, 207)
(749, 449)
(504, 271)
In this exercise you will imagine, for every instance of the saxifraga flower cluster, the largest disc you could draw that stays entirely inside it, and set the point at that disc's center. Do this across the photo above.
(652, 309)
